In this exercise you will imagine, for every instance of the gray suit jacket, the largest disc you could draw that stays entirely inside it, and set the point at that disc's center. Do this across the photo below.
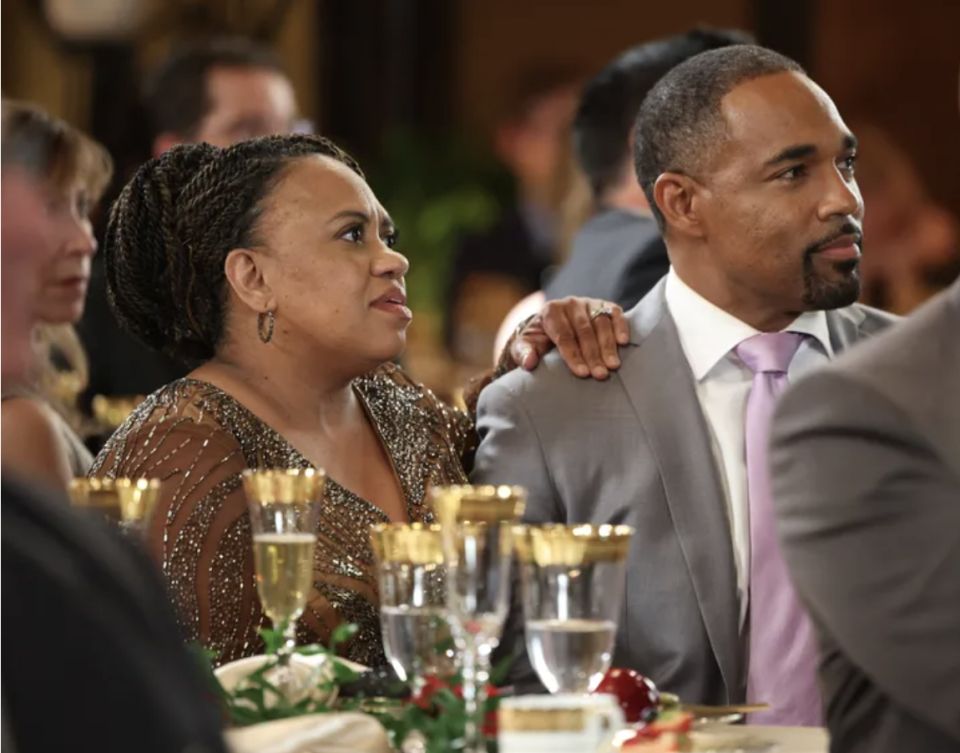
(617, 256)
(866, 461)
(636, 450)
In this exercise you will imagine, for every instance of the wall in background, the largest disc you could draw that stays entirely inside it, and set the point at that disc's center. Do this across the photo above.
(499, 39)
(897, 63)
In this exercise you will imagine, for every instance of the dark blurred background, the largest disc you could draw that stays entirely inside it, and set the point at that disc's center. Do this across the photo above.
(416, 89)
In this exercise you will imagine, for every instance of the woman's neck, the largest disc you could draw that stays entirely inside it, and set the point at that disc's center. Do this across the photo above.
(295, 394)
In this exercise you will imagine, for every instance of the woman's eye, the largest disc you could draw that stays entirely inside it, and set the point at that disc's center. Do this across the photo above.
(353, 234)
(392, 239)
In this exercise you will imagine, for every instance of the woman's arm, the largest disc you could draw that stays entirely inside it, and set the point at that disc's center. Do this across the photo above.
(199, 532)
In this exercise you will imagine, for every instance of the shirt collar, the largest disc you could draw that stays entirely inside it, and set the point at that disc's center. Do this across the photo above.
(708, 333)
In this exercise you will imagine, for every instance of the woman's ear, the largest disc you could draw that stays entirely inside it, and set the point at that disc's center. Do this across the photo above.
(244, 270)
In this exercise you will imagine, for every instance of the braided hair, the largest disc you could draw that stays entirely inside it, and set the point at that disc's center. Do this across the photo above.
(174, 224)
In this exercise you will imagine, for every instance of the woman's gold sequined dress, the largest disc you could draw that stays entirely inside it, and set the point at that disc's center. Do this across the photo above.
(198, 440)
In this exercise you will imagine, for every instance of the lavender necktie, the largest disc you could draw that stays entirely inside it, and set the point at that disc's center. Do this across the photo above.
(783, 653)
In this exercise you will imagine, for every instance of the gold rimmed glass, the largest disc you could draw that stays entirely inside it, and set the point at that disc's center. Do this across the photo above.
(476, 524)
(110, 412)
(413, 613)
(128, 502)
(284, 513)
(572, 581)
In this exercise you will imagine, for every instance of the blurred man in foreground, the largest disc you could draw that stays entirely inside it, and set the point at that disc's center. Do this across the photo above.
(866, 479)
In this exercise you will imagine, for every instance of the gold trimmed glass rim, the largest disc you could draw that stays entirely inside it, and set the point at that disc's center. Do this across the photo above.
(284, 486)
(478, 504)
(541, 720)
(410, 543)
(556, 544)
(135, 498)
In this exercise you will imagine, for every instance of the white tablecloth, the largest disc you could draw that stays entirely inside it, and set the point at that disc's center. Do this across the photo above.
(787, 739)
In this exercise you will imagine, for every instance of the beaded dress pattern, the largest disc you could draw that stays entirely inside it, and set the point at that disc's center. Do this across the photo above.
(198, 440)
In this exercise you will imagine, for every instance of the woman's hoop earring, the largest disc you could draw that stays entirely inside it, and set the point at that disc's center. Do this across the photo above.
(268, 336)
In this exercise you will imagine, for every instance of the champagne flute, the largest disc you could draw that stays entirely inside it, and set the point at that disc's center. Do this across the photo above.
(128, 502)
(284, 513)
(476, 531)
(572, 579)
(413, 601)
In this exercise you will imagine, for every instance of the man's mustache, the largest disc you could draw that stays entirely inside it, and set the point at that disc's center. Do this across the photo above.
(847, 228)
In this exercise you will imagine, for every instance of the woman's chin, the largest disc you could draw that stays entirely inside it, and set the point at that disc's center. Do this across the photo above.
(386, 351)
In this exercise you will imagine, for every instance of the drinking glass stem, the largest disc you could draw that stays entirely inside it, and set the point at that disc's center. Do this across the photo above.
(289, 642)
(286, 676)
(476, 674)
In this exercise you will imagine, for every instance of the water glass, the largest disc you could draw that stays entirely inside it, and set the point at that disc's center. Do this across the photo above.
(413, 614)
(127, 502)
(477, 533)
(572, 581)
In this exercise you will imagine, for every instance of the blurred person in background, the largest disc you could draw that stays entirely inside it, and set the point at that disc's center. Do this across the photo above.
(618, 254)
(914, 242)
(219, 92)
(492, 271)
(40, 421)
(613, 248)
(97, 662)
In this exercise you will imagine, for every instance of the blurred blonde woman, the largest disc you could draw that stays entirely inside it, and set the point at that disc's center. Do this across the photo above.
(42, 426)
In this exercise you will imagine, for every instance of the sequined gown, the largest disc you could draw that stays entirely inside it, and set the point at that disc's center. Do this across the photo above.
(198, 440)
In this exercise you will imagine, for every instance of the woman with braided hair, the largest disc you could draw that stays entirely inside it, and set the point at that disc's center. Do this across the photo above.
(273, 265)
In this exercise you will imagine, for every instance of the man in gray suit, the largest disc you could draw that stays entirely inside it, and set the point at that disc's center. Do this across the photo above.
(748, 169)
(866, 478)
(618, 254)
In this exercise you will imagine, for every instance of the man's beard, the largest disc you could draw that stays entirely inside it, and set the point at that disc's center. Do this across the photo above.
(821, 294)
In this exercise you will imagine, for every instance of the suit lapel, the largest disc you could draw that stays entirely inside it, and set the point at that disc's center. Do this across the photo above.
(844, 327)
(658, 382)
(849, 325)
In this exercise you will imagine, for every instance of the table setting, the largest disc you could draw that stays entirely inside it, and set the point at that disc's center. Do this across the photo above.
(445, 591)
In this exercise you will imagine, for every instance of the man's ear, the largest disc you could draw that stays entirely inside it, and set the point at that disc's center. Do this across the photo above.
(244, 270)
(678, 199)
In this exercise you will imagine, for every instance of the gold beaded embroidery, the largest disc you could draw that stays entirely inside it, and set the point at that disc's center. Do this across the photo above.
(198, 440)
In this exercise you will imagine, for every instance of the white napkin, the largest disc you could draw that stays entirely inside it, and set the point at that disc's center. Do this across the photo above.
(347, 732)
(310, 670)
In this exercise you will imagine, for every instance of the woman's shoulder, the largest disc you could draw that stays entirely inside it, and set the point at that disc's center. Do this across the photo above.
(182, 411)
(395, 397)
(30, 417)
(183, 423)
(391, 382)
(32, 436)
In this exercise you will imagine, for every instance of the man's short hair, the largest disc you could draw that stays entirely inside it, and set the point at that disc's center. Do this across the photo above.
(611, 99)
(175, 95)
(680, 119)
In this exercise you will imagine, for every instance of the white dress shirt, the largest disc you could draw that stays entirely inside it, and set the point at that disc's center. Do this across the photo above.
(708, 336)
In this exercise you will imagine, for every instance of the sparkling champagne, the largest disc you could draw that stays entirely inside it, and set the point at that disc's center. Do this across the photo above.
(571, 656)
(417, 641)
(284, 563)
